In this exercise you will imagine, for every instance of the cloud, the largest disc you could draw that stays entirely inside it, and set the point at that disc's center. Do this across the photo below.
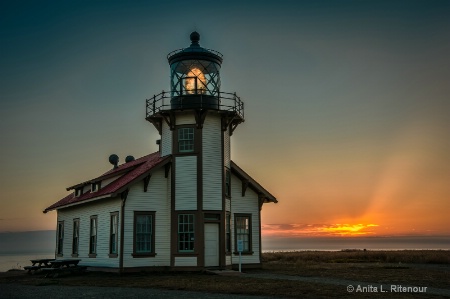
(305, 229)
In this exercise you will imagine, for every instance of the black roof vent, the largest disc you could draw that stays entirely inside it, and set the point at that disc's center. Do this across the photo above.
(114, 160)
(129, 159)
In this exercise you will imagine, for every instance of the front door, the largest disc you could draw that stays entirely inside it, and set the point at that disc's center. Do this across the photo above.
(211, 244)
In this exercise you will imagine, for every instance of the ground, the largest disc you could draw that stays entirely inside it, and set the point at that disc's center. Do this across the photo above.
(294, 275)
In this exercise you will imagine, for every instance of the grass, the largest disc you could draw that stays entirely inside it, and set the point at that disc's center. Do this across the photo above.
(360, 256)
(416, 268)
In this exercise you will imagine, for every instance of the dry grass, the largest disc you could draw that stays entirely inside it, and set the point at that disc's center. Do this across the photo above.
(377, 267)
(360, 256)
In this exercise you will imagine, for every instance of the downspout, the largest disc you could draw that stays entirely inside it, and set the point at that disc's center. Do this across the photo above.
(123, 196)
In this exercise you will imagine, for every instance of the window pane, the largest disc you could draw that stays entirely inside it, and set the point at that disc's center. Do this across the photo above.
(186, 139)
(143, 232)
(93, 236)
(243, 231)
(186, 232)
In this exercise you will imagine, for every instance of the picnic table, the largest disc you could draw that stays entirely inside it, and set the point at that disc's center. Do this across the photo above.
(63, 265)
(38, 264)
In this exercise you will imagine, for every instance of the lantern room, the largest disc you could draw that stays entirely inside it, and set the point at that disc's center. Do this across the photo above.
(195, 70)
(195, 86)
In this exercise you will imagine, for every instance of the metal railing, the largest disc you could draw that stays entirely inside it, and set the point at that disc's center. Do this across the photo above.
(225, 101)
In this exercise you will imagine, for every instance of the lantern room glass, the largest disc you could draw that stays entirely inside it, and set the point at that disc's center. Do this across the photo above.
(195, 77)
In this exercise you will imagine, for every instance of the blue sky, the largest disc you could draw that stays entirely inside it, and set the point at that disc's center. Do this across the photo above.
(347, 102)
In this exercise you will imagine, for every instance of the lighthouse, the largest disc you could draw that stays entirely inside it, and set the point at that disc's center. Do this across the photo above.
(187, 206)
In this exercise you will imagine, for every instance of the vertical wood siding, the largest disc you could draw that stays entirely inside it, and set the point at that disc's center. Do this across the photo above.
(247, 204)
(156, 199)
(186, 183)
(102, 209)
(212, 163)
(166, 140)
(181, 261)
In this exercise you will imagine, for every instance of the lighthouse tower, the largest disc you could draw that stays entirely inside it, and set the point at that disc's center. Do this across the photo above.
(195, 120)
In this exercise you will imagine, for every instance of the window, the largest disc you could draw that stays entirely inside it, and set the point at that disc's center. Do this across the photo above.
(185, 232)
(144, 237)
(60, 241)
(75, 237)
(185, 140)
(243, 230)
(95, 186)
(113, 234)
(228, 233)
(93, 237)
(78, 192)
(227, 183)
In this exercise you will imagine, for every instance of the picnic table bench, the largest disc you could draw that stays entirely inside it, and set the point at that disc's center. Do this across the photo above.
(38, 264)
(61, 266)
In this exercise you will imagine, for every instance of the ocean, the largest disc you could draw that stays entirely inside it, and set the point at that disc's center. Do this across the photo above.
(17, 249)
(369, 243)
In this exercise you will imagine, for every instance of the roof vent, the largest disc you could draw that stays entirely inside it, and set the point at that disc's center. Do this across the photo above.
(129, 159)
(114, 160)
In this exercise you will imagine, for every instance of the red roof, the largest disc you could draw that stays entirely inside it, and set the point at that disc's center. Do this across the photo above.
(131, 171)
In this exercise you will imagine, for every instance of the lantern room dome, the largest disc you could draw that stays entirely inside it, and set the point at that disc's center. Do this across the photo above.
(195, 51)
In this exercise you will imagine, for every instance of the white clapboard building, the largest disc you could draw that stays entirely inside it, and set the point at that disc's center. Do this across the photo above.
(184, 207)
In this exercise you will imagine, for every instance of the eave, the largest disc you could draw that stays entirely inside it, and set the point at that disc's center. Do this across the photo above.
(248, 181)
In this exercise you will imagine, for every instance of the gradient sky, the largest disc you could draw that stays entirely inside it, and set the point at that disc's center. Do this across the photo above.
(347, 104)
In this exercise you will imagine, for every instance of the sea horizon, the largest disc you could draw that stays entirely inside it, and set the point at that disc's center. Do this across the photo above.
(18, 248)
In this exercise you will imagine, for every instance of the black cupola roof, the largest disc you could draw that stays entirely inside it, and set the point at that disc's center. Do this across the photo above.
(194, 51)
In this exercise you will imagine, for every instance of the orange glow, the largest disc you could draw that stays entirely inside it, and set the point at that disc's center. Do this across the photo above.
(195, 82)
(318, 230)
(348, 229)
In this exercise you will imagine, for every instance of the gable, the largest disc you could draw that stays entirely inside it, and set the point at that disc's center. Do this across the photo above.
(248, 182)
(125, 175)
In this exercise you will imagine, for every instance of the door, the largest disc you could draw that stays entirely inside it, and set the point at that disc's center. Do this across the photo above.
(211, 244)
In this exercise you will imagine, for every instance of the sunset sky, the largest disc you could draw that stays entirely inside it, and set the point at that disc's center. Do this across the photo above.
(347, 104)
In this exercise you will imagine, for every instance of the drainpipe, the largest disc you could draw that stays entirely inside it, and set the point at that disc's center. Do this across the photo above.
(123, 196)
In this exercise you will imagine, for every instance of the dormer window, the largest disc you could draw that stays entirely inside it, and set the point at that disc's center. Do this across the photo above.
(95, 187)
(78, 192)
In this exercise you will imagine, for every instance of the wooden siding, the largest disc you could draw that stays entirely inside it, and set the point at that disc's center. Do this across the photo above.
(186, 183)
(185, 261)
(185, 119)
(227, 205)
(226, 148)
(212, 163)
(156, 199)
(102, 209)
(247, 204)
(166, 140)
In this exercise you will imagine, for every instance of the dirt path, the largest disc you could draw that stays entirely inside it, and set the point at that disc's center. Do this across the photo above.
(16, 291)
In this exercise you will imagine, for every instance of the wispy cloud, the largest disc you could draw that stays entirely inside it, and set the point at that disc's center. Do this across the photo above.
(304, 229)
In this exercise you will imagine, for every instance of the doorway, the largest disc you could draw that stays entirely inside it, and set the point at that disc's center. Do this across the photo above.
(211, 244)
